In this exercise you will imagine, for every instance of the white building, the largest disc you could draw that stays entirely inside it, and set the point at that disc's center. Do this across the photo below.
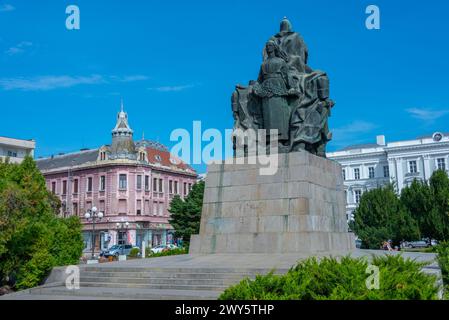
(368, 166)
(16, 149)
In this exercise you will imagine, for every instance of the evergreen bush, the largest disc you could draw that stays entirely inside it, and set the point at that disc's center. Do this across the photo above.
(340, 279)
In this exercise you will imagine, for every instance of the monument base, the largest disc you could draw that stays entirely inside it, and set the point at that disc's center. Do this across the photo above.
(299, 208)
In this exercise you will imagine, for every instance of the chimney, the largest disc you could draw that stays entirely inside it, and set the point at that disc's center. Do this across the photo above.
(380, 140)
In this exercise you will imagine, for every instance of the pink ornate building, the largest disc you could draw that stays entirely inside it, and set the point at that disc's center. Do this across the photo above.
(131, 182)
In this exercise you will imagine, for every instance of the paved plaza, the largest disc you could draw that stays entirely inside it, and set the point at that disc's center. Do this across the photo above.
(182, 277)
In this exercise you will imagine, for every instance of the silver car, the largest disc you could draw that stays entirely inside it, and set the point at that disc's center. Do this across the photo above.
(117, 250)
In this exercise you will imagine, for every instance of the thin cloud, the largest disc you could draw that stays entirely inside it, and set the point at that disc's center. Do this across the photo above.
(45, 83)
(19, 48)
(172, 88)
(130, 78)
(347, 134)
(134, 78)
(427, 115)
(6, 7)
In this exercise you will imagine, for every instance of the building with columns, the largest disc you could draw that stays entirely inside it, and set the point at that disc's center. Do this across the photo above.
(131, 182)
(15, 150)
(369, 166)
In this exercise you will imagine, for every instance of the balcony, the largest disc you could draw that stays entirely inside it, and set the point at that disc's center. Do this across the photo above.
(412, 174)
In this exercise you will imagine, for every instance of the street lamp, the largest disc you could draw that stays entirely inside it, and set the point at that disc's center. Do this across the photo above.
(93, 215)
(122, 225)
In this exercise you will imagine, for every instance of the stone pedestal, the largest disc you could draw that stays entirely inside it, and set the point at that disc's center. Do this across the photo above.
(300, 208)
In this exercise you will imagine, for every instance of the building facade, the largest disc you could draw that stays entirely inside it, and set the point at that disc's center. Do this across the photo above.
(131, 182)
(15, 150)
(369, 166)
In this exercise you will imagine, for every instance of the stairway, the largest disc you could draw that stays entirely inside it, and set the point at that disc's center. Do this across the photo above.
(102, 282)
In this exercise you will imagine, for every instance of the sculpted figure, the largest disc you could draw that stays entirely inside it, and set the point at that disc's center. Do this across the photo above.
(273, 88)
(293, 45)
(288, 96)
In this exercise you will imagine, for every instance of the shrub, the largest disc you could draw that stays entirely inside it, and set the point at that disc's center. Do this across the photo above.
(172, 252)
(134, 253)
(344, 279)
(443, 261)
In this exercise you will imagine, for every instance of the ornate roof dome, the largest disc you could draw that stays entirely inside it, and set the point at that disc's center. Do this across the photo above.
(122, 138)
(122, 127)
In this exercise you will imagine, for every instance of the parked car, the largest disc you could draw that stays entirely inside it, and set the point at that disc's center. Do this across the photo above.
(415, 244)
(117, 250)
(163, 247)
(358, 243)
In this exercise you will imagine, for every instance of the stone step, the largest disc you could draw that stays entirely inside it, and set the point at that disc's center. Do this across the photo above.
(175, 281)
(152, 275)
(155, 286)
(181, 270)
(61, 293)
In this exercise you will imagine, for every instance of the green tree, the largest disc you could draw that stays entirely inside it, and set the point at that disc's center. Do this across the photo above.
(381, 216)
(186, 214)
(439, 186)
(33, 239)
(428, 203)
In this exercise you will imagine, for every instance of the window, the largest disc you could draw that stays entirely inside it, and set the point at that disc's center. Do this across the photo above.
(142, 156)
(371, 172)
(64, 187)
(102, 183)
(147, 183)
(190, 187)
(53, 187)
(102, 155)
(154, 184)
(358, 195)
(170, 187)
(413, 167)
(75, 208)
(176, 187)
(122, 183)
(75, 186)
(343, 172)
(147, 207)
(357, 174)
(161, 209)
(160, 185)
(102, 207)
(89, 184)
(185, 188)
(441, 164)
(386, 171)
(12, 154)
(122, 207)
(122, 237)
(139, 182)
(155, 205)
(139, 208)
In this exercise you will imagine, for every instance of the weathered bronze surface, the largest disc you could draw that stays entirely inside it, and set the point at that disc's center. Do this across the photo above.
(288, 96)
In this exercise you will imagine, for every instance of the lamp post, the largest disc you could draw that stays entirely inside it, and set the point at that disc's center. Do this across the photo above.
(93, 215)
(123, 225)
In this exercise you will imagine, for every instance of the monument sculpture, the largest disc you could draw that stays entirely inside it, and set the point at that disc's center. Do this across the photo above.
(301, 206)
(288, 96)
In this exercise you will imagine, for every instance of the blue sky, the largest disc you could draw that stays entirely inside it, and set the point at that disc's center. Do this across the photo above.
(174, 62)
